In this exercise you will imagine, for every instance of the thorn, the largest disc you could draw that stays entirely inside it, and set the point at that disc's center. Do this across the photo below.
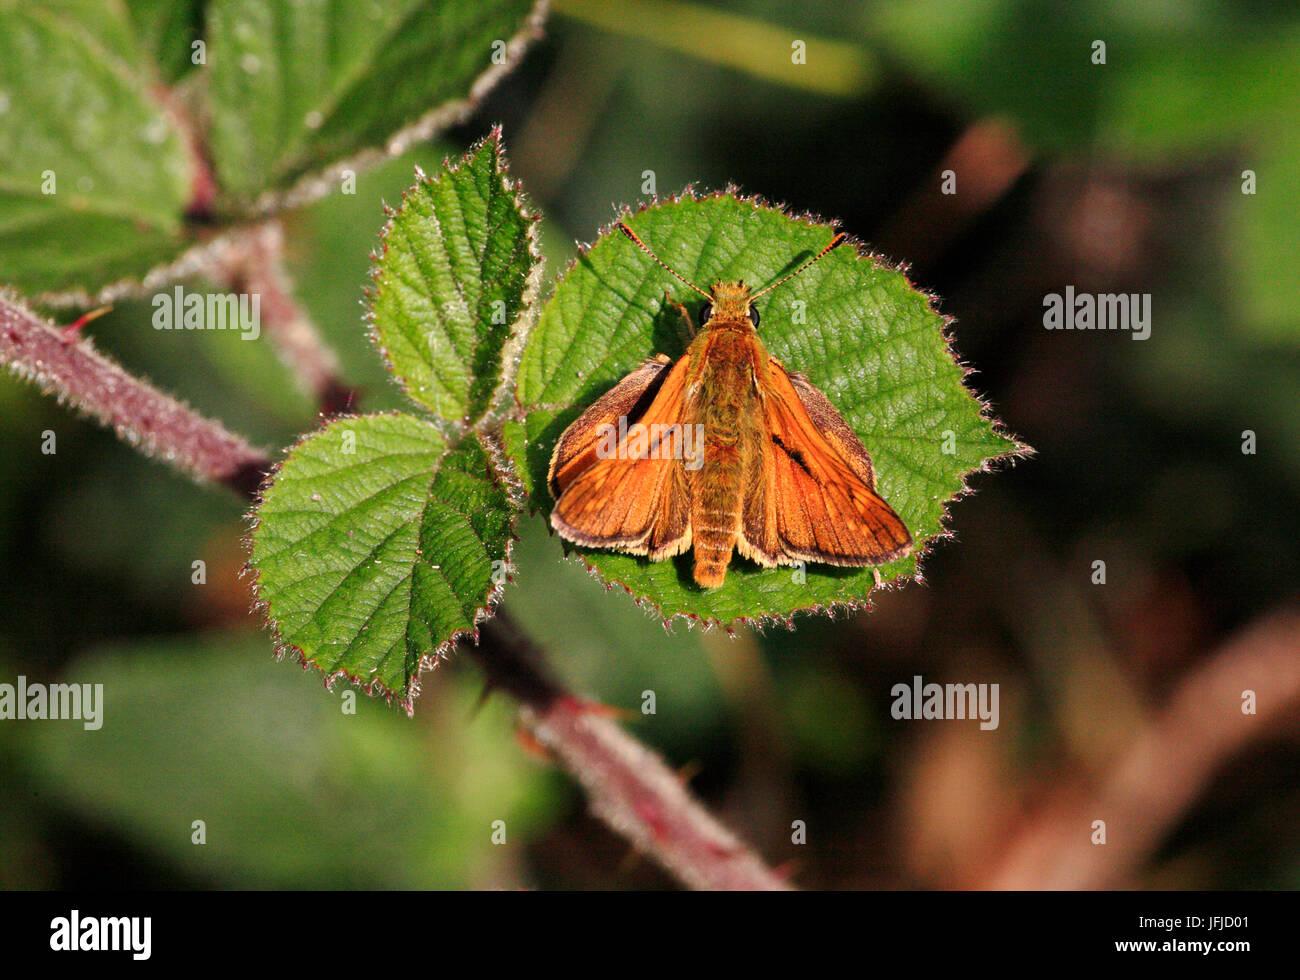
(582, 706)
(72, 332)
(689, 771)
(530, 744)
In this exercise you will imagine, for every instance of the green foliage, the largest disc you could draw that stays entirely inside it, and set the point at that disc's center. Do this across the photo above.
(1267, 237)
(292, 791)
(93, 177)
(382, 539)
(1174, 77)
(375, 547)
(871, 342)
(296, 86)
(452, 278)
(280, 91)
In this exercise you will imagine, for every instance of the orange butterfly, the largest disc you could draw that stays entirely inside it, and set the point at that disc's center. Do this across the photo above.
(723, 450)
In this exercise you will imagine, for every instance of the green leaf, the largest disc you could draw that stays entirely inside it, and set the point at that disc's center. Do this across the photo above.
(101, 24)
(377, 546)
(296, 86)
(293, 792)
(76, 117)
(382, 539)
(1263, 240)
(169, 29)
(455, 272)
(872, 343)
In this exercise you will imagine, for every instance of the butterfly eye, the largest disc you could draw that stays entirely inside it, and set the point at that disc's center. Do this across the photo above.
(753, 315)
(706, 313)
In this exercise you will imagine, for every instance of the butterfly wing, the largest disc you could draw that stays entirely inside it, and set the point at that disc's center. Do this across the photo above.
(628, 498)
(631, 397)
(812, 496)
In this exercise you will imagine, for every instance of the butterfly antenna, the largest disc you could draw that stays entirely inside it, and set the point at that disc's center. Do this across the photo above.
(836, 241)
(650, 252)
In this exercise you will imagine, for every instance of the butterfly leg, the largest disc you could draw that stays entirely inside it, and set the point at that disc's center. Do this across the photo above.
(684, 312)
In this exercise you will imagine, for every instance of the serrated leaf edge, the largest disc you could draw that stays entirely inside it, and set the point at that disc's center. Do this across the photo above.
(193, 259)
(314, 186)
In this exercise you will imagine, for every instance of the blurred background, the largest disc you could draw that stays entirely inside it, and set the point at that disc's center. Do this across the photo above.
(1119, 702)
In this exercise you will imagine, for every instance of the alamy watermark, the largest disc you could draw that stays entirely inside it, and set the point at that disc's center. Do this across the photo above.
(183, 310)
(655, 441)
(919, 701)
(53, 702)
(1098, 311)
(75, 932)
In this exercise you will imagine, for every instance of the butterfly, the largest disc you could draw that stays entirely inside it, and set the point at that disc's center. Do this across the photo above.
(722, 451)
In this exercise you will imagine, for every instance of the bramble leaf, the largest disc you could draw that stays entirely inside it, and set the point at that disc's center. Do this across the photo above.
(381, 539)
(855, 326)
(93, 174)
(377, 547)
(100, 184)
(454, 274)
(294, 87)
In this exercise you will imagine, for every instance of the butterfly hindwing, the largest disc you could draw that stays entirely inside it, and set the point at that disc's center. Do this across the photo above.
(813, 496)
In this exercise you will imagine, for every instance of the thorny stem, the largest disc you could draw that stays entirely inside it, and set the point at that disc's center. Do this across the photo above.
(255, 264)
(1164, 769)
(630, 787)
(156, 424)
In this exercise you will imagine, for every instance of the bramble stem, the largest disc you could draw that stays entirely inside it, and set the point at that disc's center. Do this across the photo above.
(255, 264)
(155, 423)
(630, 787)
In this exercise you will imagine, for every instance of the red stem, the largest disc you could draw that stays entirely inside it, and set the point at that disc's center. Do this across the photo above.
(255, 264)
(156, 424)
(630, 787)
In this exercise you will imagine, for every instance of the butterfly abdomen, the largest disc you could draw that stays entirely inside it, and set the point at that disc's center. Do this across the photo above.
(717, 487)
(715, 511)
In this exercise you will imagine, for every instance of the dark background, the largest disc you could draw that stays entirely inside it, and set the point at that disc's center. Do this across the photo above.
(1118, 701)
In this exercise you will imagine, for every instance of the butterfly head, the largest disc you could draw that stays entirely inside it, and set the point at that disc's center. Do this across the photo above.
(729, 302)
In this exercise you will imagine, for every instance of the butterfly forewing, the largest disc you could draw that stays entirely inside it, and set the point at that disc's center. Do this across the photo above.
(629, 499)
(630, 398)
